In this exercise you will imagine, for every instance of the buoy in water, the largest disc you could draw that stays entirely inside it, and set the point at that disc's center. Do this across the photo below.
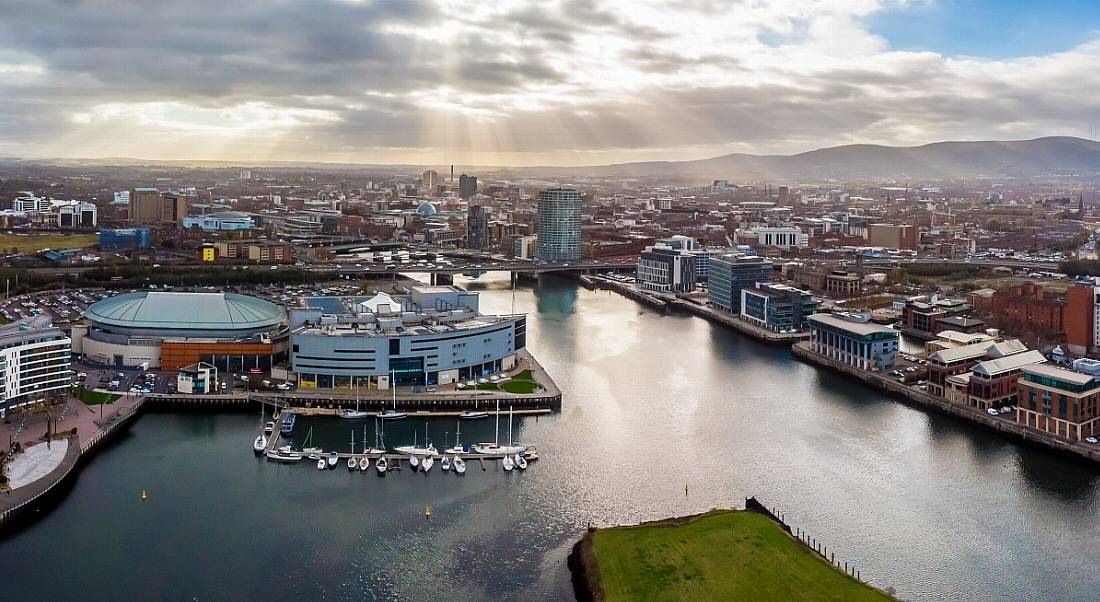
(427, 511)
(685, 489)
(144, 496)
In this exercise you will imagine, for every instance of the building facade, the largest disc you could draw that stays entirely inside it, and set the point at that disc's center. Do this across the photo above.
(34, 363)
(846, 339)
(559, 222)
(124, 239)
(1059, 401)
(433, 336)
(467, 186)
(145, 206)
(662, 268)
(732, 272)
(778, 307)
(477, 227)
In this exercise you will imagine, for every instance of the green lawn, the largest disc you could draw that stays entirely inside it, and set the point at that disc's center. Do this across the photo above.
(721, 555)
(522, 383)
(92, 398)
(33, 243)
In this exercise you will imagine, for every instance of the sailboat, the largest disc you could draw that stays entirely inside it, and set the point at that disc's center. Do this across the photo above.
(509, 463)
(460, 465)
(382, 464)
(495, 447)
(458, 448)
(259, 444)
(364, 462)
(445, 464)
(521, 462)
(356, 413)
(373, 450)
(415, 450)
(352, 464)
(427, 462)
(414, 462)
(333, 458)
(473, 414)
(392, 414)
(314, 452)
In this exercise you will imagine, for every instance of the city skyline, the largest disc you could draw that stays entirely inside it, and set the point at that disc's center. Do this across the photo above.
(520, 84)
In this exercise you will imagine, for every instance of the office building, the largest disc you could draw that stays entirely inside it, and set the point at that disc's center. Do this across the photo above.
(1081, 318)
(702, 262)
(430, 179)
(783, 237)
(477, 227)
(1059, 401)
(664, 269)
(173, 208)
(732, 272)
(777, 307)
(559, 225)
(962, 359)
(76, 215)
(28, 203)
(145, 206)
(891, 236)
(124, 239)
(678, 242)
(525, 247)
(467, 186)
(434, 335)
(196, 379)
(993, 383)
(34, 363)
(221, 221)
(853, 341)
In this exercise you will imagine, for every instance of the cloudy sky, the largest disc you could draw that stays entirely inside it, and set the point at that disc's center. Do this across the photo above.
(566, 82)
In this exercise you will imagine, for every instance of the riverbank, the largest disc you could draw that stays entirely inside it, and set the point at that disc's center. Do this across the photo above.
(912, 395)
(666, 301)
(717, 555)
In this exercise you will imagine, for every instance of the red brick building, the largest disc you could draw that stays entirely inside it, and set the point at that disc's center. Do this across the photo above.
(1029, 310)
(1079, 318)
(1059, 401)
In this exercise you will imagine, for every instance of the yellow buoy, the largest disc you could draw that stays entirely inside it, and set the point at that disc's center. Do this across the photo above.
(685, 489)
(427, 511)
(144, 496)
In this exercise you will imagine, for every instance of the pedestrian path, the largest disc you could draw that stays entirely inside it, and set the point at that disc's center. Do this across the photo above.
(35, 462)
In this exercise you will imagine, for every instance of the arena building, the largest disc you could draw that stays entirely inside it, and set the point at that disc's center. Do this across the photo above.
(433, 335)
(170, 330)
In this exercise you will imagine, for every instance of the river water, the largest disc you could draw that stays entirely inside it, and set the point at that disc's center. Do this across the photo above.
(922, 503)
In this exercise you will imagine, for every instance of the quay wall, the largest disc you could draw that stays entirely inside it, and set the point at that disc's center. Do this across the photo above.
(1007, 427)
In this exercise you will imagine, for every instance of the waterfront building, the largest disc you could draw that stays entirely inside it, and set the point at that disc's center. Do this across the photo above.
(124, 239)
(559, 225)
(1029, 309)
(34, 363)
(170, 330)
(993, 383)
(702, 262)
(958, 360)
(855, 342)
(780, 237)
(678, 242)
(1059, 401)
(666, 269)
(1082, 318)
(524, 247)
(477, 227)
(732, 272)
(197, 378)
(777, 307)
(924, 319)
(434, 335)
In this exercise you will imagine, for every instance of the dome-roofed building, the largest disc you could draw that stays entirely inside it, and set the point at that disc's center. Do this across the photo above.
(172, 329)
(426, 209)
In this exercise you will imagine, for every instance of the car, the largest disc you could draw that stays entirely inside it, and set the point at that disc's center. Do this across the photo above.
(910, 369)
(1092, 440)
(992, 411)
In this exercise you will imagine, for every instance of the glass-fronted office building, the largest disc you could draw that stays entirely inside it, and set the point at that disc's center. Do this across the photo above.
(732, 272)
(559, 221)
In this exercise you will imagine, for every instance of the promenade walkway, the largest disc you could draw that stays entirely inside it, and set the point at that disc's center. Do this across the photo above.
(35, 462)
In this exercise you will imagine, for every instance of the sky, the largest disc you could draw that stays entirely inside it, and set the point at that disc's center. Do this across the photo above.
(548, 82)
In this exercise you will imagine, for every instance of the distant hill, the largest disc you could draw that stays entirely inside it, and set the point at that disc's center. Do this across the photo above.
(1055, 155)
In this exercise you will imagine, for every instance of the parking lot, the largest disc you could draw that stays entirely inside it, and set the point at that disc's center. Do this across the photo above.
(62, 306)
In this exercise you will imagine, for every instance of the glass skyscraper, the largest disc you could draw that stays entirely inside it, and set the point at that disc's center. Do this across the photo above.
(559, 225)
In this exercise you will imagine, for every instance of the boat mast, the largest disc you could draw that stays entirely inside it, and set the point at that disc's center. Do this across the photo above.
(509, 425)
(496, 431)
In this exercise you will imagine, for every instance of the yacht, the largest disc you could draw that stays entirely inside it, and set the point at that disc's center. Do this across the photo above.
(414, 463)
(382, 465)
(333, 458)
(521, 462)
(460, 466)
(495, 447)
(353, 414)
(259, 444)
(445, 464)
(364, 462)
(269, 428)
(392, 414)
(509, 463)
(288, 423)
(321, 464)
(426, 463)
(473, 414)
(284, 454)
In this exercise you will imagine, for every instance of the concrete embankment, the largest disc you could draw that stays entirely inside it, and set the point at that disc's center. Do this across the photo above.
(912, 395)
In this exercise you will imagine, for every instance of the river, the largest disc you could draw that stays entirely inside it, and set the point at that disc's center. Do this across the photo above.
(925, 504)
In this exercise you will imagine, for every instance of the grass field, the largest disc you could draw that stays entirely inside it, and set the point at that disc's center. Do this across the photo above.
(33, 243)
(522, 383)
(720, 555)
(92, 398)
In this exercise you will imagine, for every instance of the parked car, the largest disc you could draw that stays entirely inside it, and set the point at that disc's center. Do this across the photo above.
(992, 411)
(1092, 440)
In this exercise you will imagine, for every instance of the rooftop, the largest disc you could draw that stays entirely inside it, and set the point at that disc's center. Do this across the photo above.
(954, 354)
(187, 311)
(860, 328)
(991, 368)
(1068, 376)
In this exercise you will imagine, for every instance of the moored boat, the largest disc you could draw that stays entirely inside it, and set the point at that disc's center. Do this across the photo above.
(460, 466)
(509, 464)
(521, 462)
(259, 444)
(382, 465)
(426, 463)
(473, 414)
(364, 462)
(414, 463)
(333, 458)
(321, 464)
(284, 454)
(445, 464)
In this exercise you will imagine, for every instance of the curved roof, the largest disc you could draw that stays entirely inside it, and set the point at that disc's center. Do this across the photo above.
(426, 208)
(186, 311)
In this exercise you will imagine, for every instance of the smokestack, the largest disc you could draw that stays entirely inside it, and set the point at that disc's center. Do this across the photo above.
(452, 175)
